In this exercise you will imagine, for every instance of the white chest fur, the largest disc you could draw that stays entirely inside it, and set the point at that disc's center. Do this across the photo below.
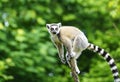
(55, 38)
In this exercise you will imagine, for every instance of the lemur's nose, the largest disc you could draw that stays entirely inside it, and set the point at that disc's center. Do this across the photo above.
(54, 32)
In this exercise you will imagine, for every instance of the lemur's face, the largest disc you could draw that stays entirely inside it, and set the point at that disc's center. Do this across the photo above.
(54, 28)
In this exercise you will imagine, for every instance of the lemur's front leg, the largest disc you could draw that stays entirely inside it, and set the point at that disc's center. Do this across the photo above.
(68, 45)
(60, 49)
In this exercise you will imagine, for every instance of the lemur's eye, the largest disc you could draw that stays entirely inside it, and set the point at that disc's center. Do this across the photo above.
(56, 28)
(52, 29)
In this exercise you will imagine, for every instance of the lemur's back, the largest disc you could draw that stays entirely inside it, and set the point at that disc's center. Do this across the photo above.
(70, 31)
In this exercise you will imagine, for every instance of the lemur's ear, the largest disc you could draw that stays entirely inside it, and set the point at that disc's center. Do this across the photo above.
(48, 26)
(59, 24)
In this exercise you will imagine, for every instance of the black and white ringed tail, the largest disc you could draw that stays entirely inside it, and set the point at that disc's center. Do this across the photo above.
(109, 59)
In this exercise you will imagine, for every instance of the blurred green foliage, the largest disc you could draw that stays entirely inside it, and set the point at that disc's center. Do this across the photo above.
(27, 53)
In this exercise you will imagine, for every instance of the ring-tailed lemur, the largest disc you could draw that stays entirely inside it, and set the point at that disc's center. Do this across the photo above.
(75, 42)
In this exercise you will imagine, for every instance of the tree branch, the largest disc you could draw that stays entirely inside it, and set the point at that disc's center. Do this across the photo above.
(74, 74)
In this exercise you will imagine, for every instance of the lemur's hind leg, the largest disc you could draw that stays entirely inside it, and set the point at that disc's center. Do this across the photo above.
(79, 44)
(76, 48)
(76, 51)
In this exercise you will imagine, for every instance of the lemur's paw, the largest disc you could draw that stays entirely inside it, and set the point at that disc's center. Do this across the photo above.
(63, 61)
(78, 71)
(72, 55)
(117, 80)
(69, 56)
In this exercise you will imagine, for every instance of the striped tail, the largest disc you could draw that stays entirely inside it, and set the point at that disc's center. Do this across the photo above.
(108, 59)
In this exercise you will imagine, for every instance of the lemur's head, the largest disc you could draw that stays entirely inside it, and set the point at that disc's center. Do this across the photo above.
(53, 28)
